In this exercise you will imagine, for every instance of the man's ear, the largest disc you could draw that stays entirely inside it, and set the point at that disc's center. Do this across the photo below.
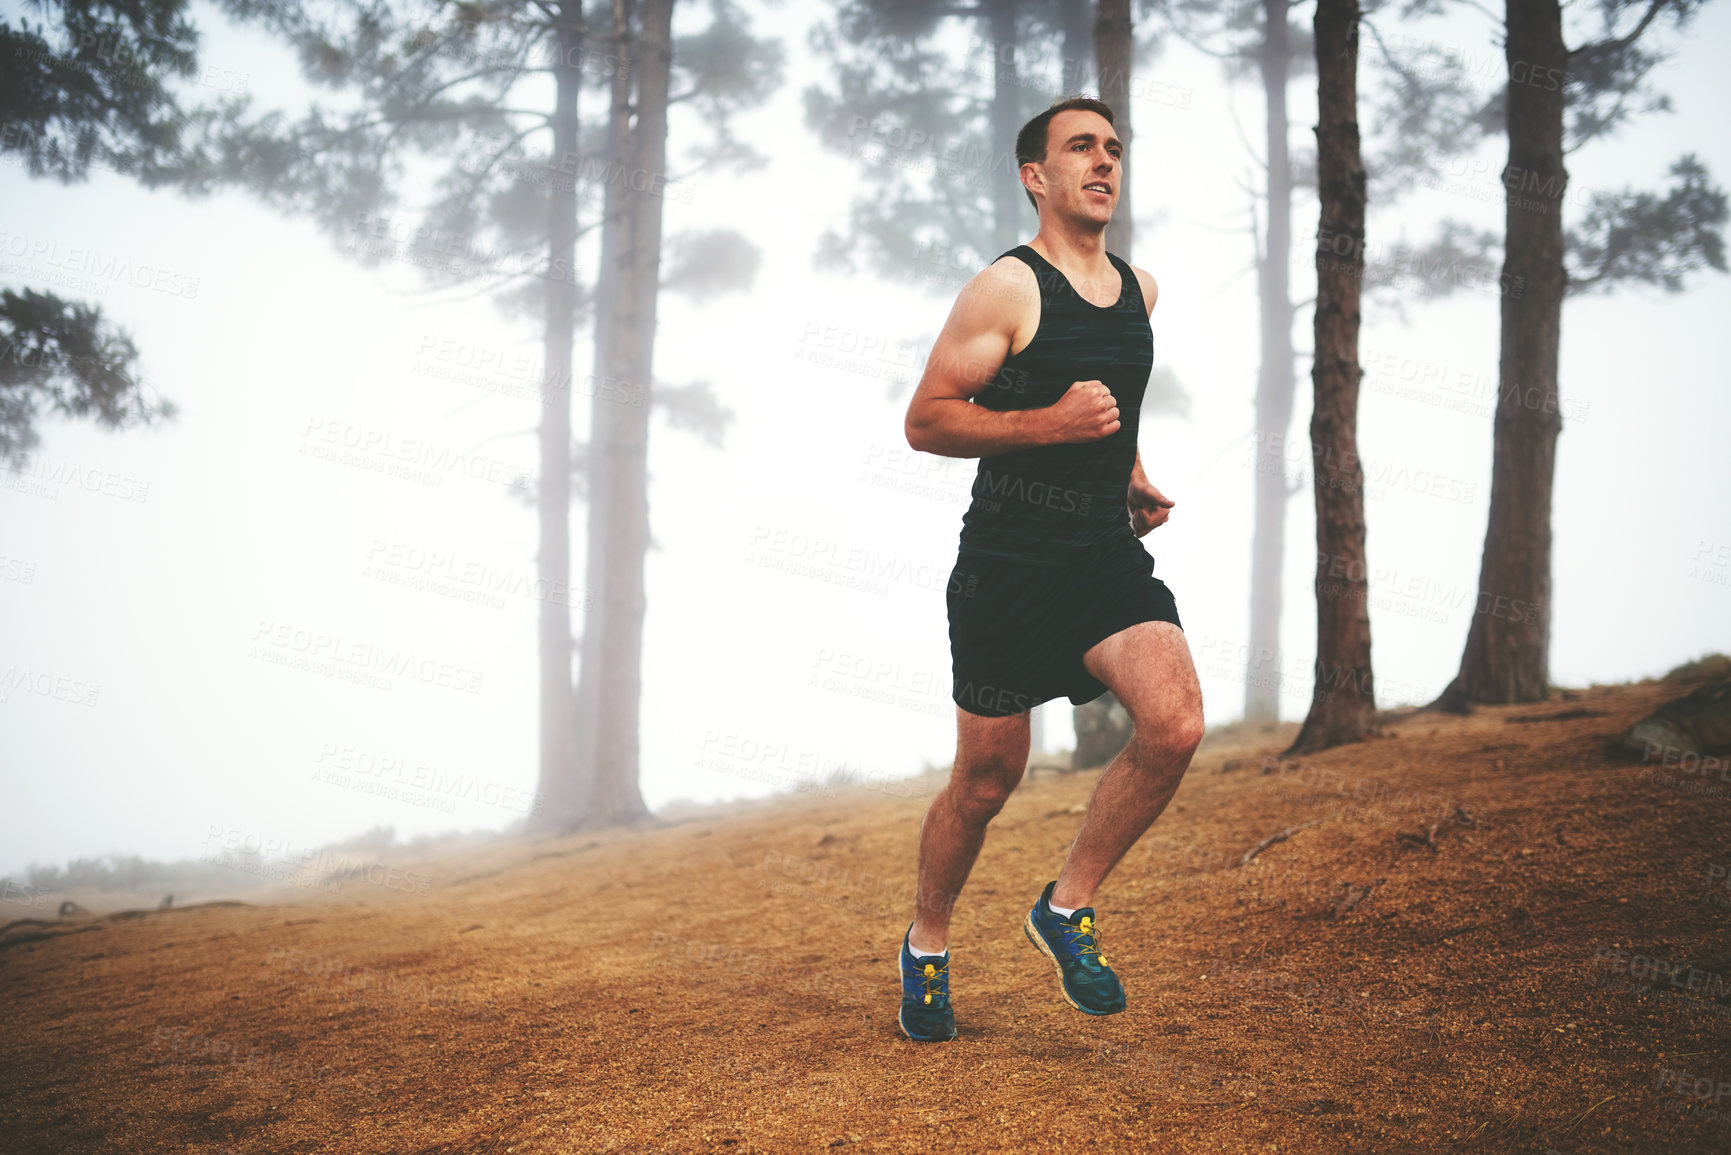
(1031, 179)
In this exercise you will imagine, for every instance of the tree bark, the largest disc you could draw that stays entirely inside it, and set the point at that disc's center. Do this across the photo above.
(602, 405)
(1007, 194)
(1507, 656)
(1102, 727)
(1081, 69)
(1343, 702)
(1275, 385)
(559, 767)
(1006, 120)
(1114, 46)
(615, 796)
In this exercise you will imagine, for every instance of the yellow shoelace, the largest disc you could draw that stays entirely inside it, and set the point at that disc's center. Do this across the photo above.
(1086, 929)
(932, 975)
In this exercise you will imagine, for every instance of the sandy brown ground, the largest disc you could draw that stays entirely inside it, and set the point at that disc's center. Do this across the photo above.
(728, 984)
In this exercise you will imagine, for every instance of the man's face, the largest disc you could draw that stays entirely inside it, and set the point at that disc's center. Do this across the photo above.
(1083, 165)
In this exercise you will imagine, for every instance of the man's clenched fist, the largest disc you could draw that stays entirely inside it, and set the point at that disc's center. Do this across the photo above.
(1086, 412)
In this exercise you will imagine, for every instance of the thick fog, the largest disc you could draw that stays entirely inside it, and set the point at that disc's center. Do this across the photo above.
(307, 605)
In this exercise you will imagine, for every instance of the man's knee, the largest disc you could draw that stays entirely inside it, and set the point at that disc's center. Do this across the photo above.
(1171, 733)
(1186, 732)
(980, 794)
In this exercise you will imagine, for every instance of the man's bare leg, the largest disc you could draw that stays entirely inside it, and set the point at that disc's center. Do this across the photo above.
(991, 754)
(1148, 667)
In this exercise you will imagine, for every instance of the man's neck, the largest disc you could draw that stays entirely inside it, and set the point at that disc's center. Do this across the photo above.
(1083, 250)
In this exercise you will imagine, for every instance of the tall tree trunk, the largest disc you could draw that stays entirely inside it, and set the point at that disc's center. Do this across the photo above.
(1081, 70)
(602, 406)
(1275, 386)
(1006, 119)
(1102, 726)
(559, 785)
(1343, 703)
(1114, 45)
(1007, 195)
(1507, 656)
(615, 796)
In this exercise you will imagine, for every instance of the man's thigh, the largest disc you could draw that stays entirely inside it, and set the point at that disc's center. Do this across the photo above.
(991, 747)
(1148, 667)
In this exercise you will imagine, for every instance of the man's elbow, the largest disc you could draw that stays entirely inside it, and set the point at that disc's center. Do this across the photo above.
(916, 432)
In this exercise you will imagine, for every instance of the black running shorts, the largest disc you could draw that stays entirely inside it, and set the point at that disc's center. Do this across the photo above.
(1018, 631)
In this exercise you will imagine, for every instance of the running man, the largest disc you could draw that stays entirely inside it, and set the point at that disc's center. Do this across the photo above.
(1039, 372)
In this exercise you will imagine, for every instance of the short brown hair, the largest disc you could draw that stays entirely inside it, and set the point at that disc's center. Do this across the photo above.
(1031, 141)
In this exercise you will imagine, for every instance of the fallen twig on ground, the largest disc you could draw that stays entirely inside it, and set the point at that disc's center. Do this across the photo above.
(1561, 716)
(1354, 895)
(1425, 838)
(1461, 816)
(1250, 855)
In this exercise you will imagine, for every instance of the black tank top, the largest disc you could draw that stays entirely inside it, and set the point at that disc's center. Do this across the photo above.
(1043, 505)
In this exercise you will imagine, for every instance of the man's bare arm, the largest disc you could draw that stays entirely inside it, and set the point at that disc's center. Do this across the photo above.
(1150, 287)
(968, 353)
(1149, 508)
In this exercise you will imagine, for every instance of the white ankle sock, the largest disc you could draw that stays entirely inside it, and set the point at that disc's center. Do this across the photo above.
(1065, 911)
(917, 952)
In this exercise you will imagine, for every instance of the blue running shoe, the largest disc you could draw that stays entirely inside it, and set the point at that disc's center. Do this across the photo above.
(926, 1016)
(1073, 945)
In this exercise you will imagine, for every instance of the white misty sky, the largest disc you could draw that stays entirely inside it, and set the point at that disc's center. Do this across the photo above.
(153, 573)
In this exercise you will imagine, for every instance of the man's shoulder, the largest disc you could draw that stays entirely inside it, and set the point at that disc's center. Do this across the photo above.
(1149, 286)
(1008, 271)
(1005, 287)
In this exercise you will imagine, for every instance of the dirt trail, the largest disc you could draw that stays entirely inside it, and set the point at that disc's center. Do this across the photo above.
(728, 984)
